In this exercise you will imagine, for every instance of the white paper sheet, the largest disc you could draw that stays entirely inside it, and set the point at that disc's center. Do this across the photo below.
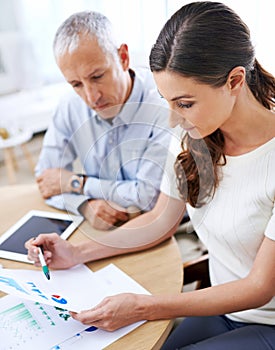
(73, 289)
(26, 324)
(97, 339)
(80, 287)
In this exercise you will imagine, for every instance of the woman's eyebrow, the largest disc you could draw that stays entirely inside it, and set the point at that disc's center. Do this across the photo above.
(185, 96)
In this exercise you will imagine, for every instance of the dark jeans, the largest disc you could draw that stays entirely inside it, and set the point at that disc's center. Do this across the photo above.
(220, 333)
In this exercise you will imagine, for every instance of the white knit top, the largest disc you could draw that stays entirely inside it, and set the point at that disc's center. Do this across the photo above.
(234, 222)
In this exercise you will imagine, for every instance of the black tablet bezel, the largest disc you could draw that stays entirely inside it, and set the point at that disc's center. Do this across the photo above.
(74, 220)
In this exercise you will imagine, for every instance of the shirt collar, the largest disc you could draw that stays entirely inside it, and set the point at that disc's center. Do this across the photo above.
(129, 109)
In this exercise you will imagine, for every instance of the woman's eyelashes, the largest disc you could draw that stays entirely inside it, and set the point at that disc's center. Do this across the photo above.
(184, 105)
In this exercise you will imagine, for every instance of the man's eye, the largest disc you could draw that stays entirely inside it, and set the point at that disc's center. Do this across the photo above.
(76, 85)
(95, 77)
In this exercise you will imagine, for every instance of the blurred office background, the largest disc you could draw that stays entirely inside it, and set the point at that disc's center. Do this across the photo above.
(27, 28)
(30, 82)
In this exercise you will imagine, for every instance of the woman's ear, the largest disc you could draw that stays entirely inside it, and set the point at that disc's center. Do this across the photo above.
(124, 56)
(236, 79)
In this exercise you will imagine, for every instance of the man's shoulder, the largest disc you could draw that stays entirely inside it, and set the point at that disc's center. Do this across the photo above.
(71, 104)
(150, 91)
(70, 98)
(145, 75)
(71, 111)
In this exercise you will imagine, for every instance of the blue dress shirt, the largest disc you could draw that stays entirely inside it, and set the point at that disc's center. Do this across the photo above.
(124, 158)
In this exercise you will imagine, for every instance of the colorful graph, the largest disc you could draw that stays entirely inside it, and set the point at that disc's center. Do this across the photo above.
(71, 342)
(21, 324)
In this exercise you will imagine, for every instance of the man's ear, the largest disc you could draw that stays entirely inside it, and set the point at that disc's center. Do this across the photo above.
(123, 54)
(236, 79)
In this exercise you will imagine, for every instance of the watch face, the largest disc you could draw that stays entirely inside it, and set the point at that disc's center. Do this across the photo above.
(75, 183)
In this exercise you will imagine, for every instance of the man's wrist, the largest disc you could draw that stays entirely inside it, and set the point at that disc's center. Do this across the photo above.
(84, 177)
(76, 183)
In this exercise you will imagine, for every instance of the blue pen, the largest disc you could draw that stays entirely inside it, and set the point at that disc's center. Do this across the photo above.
(43, 263)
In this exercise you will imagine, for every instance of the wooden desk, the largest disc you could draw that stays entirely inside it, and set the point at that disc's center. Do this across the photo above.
(159, 269)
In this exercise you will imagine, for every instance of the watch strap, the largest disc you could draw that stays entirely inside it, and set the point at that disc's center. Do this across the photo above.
(76, 183)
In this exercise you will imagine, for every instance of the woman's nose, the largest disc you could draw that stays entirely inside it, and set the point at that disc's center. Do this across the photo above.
(174, 118)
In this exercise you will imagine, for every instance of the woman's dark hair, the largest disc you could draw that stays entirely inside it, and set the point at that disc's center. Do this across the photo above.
(205, 41)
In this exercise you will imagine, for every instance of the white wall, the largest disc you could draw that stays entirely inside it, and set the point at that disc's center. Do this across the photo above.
(137, 23)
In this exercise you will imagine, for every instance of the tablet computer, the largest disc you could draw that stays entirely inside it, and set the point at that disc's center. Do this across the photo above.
(30, 225)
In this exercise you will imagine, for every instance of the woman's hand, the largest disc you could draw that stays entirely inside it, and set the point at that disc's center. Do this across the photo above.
(116, 311)
(58, 253)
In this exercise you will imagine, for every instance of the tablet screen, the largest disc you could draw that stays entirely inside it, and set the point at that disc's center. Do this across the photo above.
(12, 242)
(32, 228)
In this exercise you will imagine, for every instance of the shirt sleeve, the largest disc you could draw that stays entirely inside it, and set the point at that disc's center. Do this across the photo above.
(57, 153)
(169, 181)
(270, 229)
(143, 189)
(270, 190)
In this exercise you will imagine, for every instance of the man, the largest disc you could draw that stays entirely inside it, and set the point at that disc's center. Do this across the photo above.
(115, 125)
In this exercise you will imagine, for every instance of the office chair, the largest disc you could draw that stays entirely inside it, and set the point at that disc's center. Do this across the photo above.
(196, 270)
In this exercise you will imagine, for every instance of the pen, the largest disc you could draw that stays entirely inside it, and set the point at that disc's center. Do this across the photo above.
(43, 263)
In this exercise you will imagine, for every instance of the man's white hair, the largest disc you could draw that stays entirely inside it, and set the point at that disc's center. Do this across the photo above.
(87, 23)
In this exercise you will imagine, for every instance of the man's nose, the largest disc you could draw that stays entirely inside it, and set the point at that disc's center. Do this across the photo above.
(92, 94)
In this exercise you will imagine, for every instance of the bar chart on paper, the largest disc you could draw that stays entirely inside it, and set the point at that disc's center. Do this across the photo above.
(27, 324)
(20, 325)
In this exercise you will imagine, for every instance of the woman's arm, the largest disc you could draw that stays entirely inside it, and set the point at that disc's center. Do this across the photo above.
(143, 232)
(250, 292)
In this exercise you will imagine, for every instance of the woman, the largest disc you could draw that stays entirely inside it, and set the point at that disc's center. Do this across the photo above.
(204, 65)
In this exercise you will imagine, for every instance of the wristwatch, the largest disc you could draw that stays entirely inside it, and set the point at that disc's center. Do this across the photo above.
(76, 183)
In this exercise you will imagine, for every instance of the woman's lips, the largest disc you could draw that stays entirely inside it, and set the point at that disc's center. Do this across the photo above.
(187, 128)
